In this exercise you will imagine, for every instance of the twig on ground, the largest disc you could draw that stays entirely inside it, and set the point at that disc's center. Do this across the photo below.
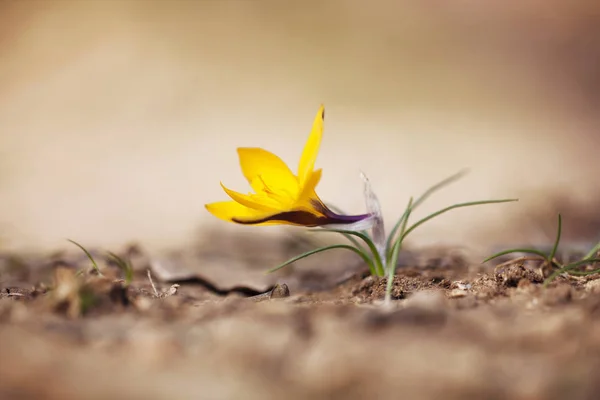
(517, 260)
(165, 293)
(152, 283)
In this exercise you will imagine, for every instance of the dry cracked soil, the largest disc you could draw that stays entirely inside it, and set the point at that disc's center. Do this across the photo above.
(214, 326)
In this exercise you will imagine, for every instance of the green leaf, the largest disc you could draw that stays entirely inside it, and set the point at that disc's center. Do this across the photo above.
(348, 236)
(391, 269)
(87, 253)
(363, 255)
(584, 273)
(408, 211)
(393, 259)
(553, 276)
(125, 266)
(593, 251)
(398, 242)
(402, 225)
(555, 247)
(579, 263)
(568, 269)
(355, 242)
(528, 251)
(422, 198)
(378, 262)
(452, 207)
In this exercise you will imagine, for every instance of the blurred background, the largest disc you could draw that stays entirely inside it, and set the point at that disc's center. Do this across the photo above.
(118, 119)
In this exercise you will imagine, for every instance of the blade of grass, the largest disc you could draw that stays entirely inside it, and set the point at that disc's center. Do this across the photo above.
(527, 251)
(391, 269)
(401, 223)
(378, 262)
(350, 238)
(553, 276)
(125, 266)
(363, 255)
(557, 241)
(424, 197)
(580, 263)
(569, 267)
(393, 261)
(584, 273)
(355, 242)
(400, 239)
(452, 207)
(87, 253)
(409, 209)
(593, 251)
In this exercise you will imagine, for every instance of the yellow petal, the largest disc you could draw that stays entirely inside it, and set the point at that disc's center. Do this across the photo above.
(308, 191)
(227, 210)
(311, 149)
(256, 202)
(282, 198)
(257, 162)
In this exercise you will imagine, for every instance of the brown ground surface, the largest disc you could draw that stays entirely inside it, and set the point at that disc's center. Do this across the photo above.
(456, 330)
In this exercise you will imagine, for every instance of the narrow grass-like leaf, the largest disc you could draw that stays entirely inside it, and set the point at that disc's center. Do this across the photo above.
(585, 273)
(557, 241)
(398, 242)
(568, 269)
(355, 242)
(409, 209)
(391, 270)
(552, 276)
(125, 266)
(579, 263)
(87, 253)
(400, 224)
(593, 251)
(350, 238)
(363, 255)
(452, 207)
(424, 197)
(378, 262)
(393, 259)
(527, 251)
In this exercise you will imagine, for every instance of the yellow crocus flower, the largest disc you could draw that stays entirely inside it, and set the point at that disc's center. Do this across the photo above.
(280, 197)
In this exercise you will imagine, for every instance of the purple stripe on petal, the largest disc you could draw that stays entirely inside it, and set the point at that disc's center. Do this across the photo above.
(337, 218)
(305, 218)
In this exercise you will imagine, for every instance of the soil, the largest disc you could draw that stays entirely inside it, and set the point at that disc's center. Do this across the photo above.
(456, 329)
